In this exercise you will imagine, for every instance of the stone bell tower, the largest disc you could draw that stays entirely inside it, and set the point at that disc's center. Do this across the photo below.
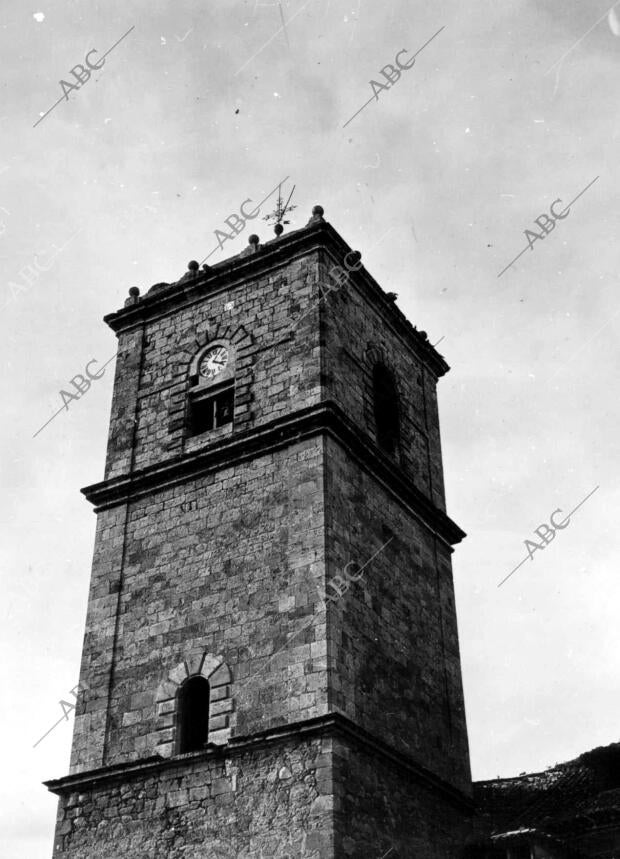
(270, 663)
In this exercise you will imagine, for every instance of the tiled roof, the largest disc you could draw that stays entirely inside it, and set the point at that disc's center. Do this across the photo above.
(564, 801)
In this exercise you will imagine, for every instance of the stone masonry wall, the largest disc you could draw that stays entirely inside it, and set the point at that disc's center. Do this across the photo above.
(393, 647)
(354, 334)
(380, 810)
(227, 563)
(276, 803)
(233, 562)
(277, 362)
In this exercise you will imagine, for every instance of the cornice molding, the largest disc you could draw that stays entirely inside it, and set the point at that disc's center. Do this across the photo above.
(331, 725)
(324, 418)
(273, 254)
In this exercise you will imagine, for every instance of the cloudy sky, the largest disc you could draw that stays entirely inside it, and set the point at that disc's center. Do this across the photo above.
(203, 104)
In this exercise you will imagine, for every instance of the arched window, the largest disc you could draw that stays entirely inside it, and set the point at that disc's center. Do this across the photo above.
(193, 714)
(385, 400)
(176, 713)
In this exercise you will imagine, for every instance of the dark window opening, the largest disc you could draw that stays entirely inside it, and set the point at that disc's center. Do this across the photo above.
(210, 412)
(193, 715)
(386, 409)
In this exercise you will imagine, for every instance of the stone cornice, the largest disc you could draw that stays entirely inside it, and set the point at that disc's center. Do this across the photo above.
(324, 418)
(331, 725)
(247, 266)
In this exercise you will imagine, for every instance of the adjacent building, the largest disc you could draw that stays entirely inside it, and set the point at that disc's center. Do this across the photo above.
(570, 811)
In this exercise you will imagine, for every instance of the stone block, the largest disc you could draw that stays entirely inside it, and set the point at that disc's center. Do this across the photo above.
(220, 692)
(209, 665)
(221, 676)
(178, 673)
(165, 707)
(217, 722)
(194, 662)
(223, 706)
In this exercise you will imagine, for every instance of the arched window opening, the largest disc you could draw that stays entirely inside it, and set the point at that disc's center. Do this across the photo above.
(193, 714)
(386, 408)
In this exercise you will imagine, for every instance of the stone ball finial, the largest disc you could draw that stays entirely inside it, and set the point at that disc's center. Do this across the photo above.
(278, 229)
(134, 296)
(317, 215)
(253, 240)
(423, 335)
(192, 265)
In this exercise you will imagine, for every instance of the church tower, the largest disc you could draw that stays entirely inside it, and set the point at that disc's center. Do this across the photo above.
(270, 666)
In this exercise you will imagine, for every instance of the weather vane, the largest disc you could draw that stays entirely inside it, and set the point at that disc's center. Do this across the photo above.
(277, 216)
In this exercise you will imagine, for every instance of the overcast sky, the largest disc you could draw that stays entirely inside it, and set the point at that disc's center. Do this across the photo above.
(204, 104)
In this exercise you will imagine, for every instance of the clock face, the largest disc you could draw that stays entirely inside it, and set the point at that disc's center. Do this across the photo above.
(213, 362)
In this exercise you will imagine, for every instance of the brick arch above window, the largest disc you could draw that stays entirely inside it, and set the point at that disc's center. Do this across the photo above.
(239, 337)
(241, 342)
(221, 704)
